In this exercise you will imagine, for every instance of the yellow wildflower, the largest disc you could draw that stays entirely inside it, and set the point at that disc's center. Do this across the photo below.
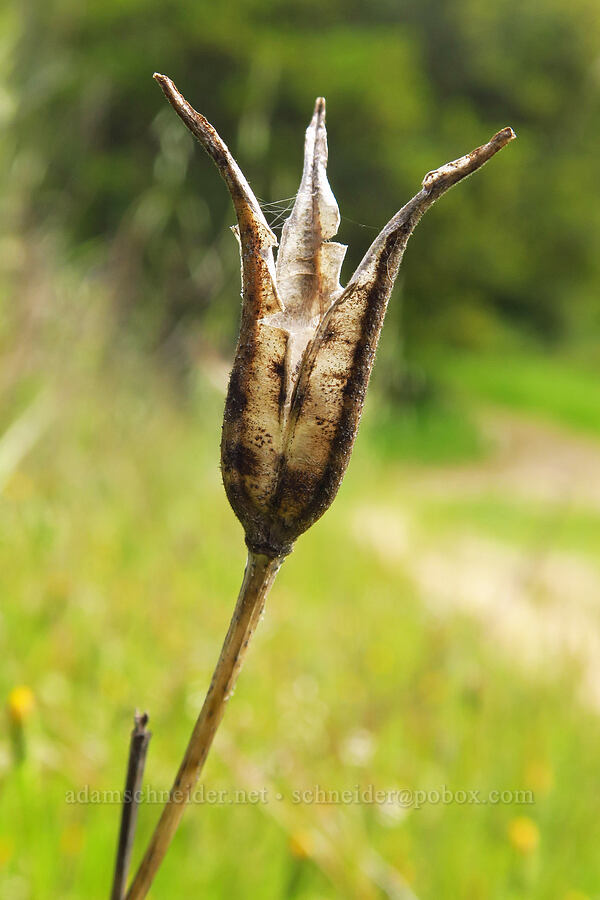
(21, 702)
(301, 844)
(523, 834)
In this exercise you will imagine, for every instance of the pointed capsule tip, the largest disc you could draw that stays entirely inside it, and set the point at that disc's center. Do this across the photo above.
(505, 135)
(164, 81)
(320, 106)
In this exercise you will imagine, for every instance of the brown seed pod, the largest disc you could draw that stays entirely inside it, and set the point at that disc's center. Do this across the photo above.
(306, 345)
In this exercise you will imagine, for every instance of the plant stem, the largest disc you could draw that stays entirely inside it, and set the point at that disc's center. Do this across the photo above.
(258, 579)
(138, 747)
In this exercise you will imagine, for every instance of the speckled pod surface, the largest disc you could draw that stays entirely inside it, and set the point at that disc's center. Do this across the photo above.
(306, 346)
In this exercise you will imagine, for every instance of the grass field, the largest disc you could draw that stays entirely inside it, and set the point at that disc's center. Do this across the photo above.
(435, 632)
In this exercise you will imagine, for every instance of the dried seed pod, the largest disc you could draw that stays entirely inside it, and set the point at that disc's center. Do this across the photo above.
(306, 345)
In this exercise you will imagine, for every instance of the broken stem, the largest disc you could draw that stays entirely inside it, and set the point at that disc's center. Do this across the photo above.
(138, 747)
(258, 578)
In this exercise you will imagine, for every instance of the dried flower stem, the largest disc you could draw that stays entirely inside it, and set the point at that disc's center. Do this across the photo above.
(296, 391)
(258, 578)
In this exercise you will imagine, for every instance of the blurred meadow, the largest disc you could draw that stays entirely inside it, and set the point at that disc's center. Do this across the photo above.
(438, 630)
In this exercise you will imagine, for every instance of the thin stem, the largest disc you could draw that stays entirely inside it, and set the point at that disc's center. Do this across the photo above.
(138, 747)
(258, 579)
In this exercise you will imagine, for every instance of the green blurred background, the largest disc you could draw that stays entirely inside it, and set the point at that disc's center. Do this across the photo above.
(439, 627)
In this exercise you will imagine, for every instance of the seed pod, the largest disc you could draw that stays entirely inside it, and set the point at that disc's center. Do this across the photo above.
(306, 345)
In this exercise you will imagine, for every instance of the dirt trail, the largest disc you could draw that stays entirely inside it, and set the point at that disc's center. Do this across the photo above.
(531, 460)
(540, 606)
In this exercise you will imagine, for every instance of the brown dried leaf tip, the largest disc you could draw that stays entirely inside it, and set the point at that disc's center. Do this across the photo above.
(306, 345)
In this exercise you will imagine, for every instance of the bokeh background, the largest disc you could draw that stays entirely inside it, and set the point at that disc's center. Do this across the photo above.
(439, 627)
